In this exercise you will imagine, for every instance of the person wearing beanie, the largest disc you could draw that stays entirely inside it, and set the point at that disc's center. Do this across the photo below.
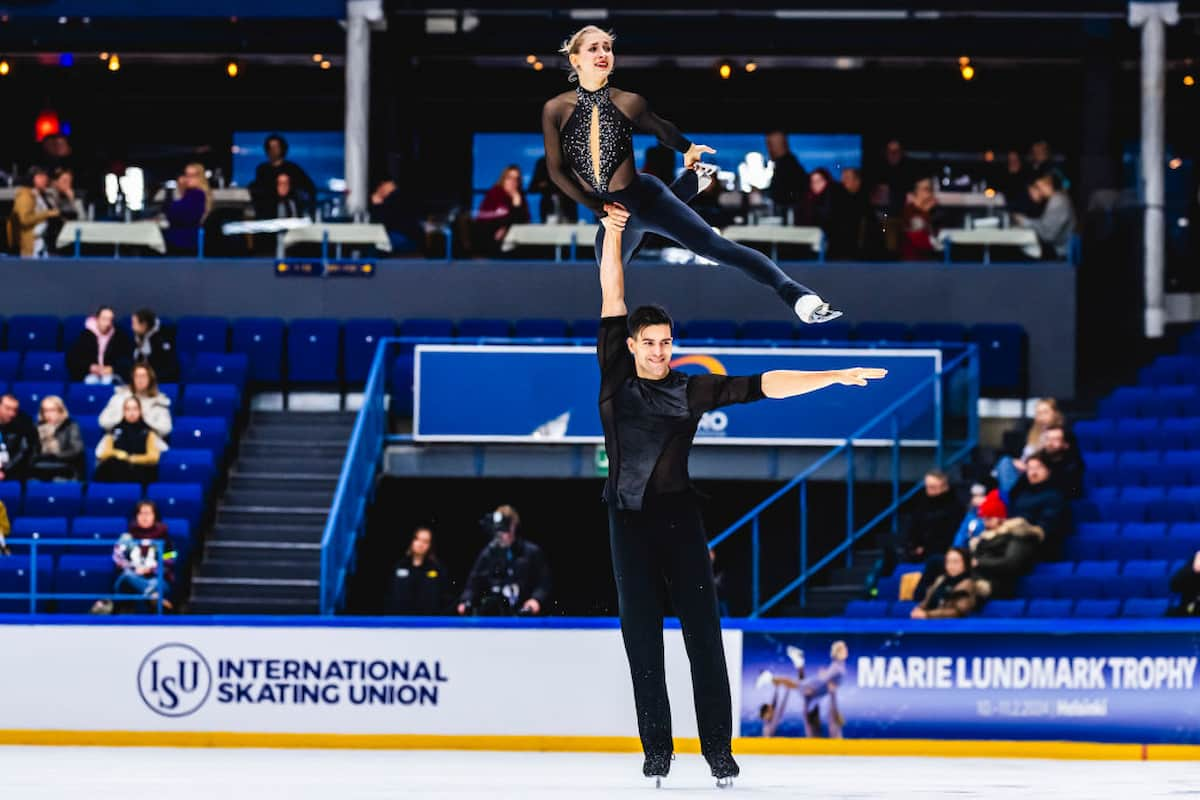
(932, 519)
(1006, 548)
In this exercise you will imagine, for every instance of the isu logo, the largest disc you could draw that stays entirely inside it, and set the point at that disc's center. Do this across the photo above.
(174, 680)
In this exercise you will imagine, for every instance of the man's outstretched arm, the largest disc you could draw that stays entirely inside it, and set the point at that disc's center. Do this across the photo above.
(612, 274)
(781, 383)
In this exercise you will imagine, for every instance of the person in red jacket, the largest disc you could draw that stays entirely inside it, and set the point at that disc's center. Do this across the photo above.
(503, 205)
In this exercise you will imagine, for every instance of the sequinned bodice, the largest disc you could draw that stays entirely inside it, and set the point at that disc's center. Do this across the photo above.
(595, 110)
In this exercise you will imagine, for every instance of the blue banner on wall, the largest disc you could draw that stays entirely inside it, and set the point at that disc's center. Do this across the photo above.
(502, 393)
(1092, 687)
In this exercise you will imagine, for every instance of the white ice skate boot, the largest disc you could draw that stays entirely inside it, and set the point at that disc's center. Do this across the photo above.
(765, 680)
(812, 309)
(796, 655)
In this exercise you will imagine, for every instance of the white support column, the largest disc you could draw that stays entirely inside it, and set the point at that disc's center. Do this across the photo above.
(361, 17)
(1153, 18)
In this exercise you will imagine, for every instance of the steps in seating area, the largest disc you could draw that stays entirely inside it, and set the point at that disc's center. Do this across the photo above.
(842, 585)
(263, 555)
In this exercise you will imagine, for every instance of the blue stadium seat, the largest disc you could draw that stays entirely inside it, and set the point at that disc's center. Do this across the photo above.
(767, 330)
(184, 500)
(30, 393)
(1124, 402)
(211, 433)
(1079, 548)
(33, 332)
(881, 332)
(540, 329)
(1056, 568)
(1184, 432)
(58, 499)
(900, 608)
(201, 335)
(1174, 401)
(1144, 607)
(1103, 458)
(183, 465)
(89, 428)
(40, 528)
(1144, 530)
(1184, 463)
(1172, 547)
(1074, 587)
(1134, 434)
(10, 367)
(98, 530)
(1038, 585)
(230, 368)
(16, 575)
(1171, 370)
(180, 531)
(939, 332)
(86, 399)
(211, 400)
(1095, 435)
(1098, 569)
(866, 609)
(429, 328)
(585, 328)
(1085, 511)
(707, 330)
(1092, 608)
(312, 351)
(1043, 608)
(86, 575)
(1002, 358)
(1105, 495)
(73, 325)
(360, 339)
(1156, 568)
(1182, 505)
(11, 496)
(477, 328)
(260, 339)
(1184, 530)
(1099, 476)
(111, 499)
(1124, 548)
(1140, 459)
(172, 391)
(888, 587)
(39, 365)
(1003, 609)
(1119, 587)
(825, 333)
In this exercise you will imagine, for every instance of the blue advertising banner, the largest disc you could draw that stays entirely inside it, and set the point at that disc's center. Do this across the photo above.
(1128, 687)
(540, 394)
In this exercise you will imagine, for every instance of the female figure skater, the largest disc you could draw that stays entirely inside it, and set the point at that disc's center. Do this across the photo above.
(589, 154)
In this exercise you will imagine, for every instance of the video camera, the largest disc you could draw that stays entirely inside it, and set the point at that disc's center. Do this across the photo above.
(496, 523)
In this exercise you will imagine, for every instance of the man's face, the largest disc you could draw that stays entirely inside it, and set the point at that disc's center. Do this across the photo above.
(274, 150)
(651, 348)
(283, 184)
(40, 181)
(1036, 471)
(851, 181)
(8, 410)
(1054, 441)
(505, 538)
(104, 320)
(139, 327)
(65, 182)
(894, 153)
(935, 486)
(776, 144)
(1040, 152)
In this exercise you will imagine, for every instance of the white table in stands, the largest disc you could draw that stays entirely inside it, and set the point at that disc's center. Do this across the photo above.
(776, 235)
(340, 233)
(969, 200)
(558, 236)
(141, 234)
(986, 237)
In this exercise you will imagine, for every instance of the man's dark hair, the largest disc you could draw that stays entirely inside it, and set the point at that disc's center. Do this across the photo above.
(146, 317)
(644, 316)
(10, 396)
(102, 309)
(1042, 458)
(283, 145)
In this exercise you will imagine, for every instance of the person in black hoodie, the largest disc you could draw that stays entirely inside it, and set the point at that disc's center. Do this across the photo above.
(510, 575)
(1186, 583)
(1064, 460)
(154, 345)
(932, 521)
(419, 585)
(19, 443)
(101, 353)
(1037, 500)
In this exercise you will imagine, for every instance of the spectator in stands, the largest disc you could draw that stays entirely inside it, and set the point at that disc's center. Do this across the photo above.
(61, 456)
(554, 206)
(1065, 462)
(1036, 499)
(1056, 225)
(5, 530)
(1186, 583)
(283, 202)
(187, 212)
(31, 212)
(18, 440)
(865, 238)
(56, 152)
(1012, 183)
(62, 194)
(129, 453)
(1005, 549)
(957, 593)
(503, 205)
(418, 584)
(790, 183)
(136, 556)
(265, 187)
(894, 179)
(931, 520)
(156, 406)
(510, 576)
(154, 345)
(1046, 413)
(101, 353)
(825, 208)
(1041, 158)
(920, 222)
(392, 209)
(972, 523)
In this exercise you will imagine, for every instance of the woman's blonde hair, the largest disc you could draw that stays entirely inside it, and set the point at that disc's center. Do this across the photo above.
(1035, 431)
(54, 400)
(151, 383)
(574, 42)
(204, 186)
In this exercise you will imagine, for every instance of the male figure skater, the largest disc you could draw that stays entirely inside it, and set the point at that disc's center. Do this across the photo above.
(650, 414)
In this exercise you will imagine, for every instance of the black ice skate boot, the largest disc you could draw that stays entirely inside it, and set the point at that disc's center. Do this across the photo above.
(724, 769)
(657, 766)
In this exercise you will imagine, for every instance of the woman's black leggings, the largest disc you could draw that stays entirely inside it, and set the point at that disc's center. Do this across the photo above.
(657, 208)
(666, 544)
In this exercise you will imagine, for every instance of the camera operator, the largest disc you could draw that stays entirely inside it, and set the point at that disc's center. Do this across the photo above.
(510, 575)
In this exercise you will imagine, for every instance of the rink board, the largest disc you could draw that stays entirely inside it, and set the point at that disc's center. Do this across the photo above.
(1124, 689)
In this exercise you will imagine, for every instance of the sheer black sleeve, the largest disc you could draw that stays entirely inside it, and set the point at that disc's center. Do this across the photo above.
(616, 362)
(706, 392)
(637, 110)
(552, 119)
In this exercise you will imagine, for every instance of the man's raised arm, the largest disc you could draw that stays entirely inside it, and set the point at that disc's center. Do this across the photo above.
(612, 275)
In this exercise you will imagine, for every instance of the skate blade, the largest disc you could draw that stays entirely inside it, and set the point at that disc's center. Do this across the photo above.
(724, 783)
(824, 316)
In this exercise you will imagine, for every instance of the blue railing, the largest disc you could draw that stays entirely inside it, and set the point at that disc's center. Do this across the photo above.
(968, 361)
(35, 595)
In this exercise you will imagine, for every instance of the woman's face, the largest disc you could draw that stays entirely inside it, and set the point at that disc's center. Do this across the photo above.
(817, 183)
(51, 413)
(1014, 162)
(421, 542)
(133, 410)
(1043, 415)
(512, 181)
(141, 380)
(594, 58)
(145, 517)
(954, 564)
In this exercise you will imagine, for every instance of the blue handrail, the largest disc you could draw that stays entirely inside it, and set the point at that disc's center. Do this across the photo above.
(968, 359)
(34, 595)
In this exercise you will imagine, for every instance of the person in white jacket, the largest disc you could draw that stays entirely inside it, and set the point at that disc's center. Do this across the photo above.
(156, 406)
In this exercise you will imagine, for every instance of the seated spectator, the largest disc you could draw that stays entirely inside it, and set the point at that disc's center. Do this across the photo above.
(61, 456)
(156, 406)
(31, 212)
(864, 231)
(1186, 583)
(265, 187)
(1012, 183)
(394, 211)
(1008, 469)
(1065, 462)
(101, 353)
(5, 530)
(136, 557)
(931, 520)
(919, 222)
(187, 212)
(419, 584)
(284, 202)
(154, 346)
(957, 593)
(503, 205)
(510, 576)
(825, 208)
(62, 194)
(972, 524)
(129, 453)
(1036, 499)
(1005, 549)
(555, 206)
(1056, 225)
(18, 440)
(790, 182)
